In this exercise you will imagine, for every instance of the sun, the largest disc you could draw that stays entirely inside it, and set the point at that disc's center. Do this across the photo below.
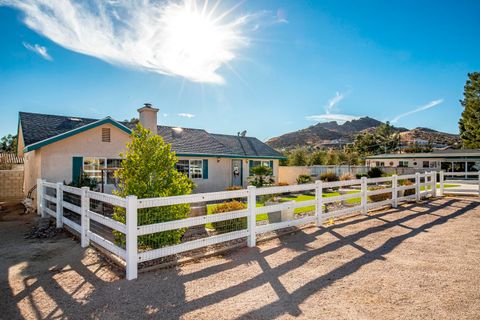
(198, 40)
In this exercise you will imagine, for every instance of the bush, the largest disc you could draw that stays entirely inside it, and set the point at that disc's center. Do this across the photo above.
(304, 178)
(233, 224)
(233, 188)
(328, 177)
(347, 176)
(360, 175)
(375, 172)
(379, 197)
(282, 184)
(407, 192)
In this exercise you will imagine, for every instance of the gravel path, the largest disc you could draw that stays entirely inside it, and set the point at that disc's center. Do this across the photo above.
(416, 262)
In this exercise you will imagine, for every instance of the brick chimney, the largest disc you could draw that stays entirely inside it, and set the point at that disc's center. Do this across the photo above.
(148, 117)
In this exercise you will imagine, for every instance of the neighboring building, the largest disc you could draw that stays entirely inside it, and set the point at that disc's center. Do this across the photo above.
(447, 160)
(60, 149)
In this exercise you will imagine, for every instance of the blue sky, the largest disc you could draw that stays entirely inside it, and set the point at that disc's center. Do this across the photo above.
(298, 62)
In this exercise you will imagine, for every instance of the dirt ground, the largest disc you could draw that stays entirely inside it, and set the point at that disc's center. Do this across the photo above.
(415, 262)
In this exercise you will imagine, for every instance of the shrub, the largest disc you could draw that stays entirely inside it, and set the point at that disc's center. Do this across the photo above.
(375, 172)
(148, 171)
(379, 197)
(233, 188)
(328, 177)
(261, 176)
(407, 192)
(360, 175)
(233, 224)
(347, 176)
(282, 184)
(304, 178)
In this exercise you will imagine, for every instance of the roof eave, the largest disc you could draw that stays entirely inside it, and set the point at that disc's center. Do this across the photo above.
(45, 142)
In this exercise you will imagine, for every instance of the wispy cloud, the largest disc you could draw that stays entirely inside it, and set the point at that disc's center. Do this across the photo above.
(429, 105)
(182, 38)
(333, 102)
(332, 117)
(186, 115)
(38, 49)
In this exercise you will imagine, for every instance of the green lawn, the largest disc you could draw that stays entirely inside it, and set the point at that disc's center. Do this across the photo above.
(445, 185)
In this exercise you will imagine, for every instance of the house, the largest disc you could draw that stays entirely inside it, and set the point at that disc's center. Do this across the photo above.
(60, 149)
(465, 160)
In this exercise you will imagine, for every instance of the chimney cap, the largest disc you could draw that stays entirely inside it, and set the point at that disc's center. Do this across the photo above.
(147, 105)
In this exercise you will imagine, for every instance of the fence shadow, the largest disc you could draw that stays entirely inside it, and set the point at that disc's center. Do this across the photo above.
(162, 294)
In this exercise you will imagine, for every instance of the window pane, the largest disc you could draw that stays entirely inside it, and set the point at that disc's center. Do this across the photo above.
(182, 166)
(196, 169)
(114, 163)
(92, 167)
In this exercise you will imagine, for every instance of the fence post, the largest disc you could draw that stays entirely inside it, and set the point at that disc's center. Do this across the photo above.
(131, 237)
(434, 184)
(85, 221)
(319, 202)
(40, 198)
(364, 195)
(394, 191)
(252, 218)
(442, 183)
(417, 186)
(59, 204)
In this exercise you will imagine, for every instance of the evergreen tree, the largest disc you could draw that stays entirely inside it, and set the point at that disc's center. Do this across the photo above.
(470, 121)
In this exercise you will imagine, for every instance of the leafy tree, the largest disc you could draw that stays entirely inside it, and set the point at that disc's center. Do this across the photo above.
(131, 122)
(8, 143)
(298, 157)
(148, 171)
(318, 158)
(470, 121)
(384, 139)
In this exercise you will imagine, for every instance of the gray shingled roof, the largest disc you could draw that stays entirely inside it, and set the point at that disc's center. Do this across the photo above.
(37, 127)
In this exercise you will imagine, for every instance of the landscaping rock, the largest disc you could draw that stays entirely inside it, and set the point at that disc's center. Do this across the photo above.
(45, 229)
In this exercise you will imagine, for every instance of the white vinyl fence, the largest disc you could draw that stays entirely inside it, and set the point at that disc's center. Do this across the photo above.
(139, 239)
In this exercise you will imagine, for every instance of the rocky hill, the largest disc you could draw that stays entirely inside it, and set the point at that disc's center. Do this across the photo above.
(332, 134)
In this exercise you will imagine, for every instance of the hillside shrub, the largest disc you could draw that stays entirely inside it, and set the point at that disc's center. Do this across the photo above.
(148, 171)
(328, 177)
(303, 179)
(233, 224)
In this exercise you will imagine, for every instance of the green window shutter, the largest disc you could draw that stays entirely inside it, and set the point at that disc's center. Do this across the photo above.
(250, 166)
(271, 164)
(77, 165)
(205, 168)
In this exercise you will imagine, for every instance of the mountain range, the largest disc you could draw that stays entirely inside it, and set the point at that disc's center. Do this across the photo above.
(332, 134)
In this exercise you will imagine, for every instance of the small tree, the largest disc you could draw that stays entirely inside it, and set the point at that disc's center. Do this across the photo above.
(8, 143)
(261, 176)
(148, 171)
(470, 121)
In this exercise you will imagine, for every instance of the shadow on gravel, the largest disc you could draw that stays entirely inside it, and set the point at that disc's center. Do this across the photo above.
(162, 294)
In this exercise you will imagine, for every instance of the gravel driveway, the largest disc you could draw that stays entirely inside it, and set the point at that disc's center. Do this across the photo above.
(417, 261)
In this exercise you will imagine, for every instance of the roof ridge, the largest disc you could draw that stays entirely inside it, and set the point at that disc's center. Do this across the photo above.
(60, 116)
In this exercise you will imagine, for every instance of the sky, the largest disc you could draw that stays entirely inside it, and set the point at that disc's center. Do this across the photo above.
(268, 67)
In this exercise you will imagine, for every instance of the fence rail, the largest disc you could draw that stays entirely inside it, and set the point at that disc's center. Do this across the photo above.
(90, 214)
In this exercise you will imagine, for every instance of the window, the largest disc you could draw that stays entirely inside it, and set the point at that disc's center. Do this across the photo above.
(426, 164)
(257, 163)
(379, 164)
(403, 164)
(105, 134)
(93, 166)
(192, 168)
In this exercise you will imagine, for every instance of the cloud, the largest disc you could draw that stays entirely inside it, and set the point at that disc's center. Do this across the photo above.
(38, 49)
(334, 101)
(186, 115)
(429, 105)
(332, 117)
(180, 38)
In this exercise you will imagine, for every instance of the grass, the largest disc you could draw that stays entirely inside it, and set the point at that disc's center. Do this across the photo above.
(299, 198)
(445, 185)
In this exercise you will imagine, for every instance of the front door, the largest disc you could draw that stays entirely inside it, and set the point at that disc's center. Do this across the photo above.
(237, 172)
